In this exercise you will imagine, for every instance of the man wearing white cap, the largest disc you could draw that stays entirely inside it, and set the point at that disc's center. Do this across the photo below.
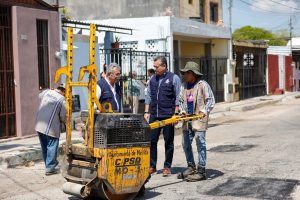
(51, 113)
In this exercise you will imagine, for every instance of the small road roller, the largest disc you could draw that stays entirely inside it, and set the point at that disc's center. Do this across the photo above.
(114, 159)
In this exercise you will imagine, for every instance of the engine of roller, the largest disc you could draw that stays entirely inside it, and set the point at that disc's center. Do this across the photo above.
(120, 165)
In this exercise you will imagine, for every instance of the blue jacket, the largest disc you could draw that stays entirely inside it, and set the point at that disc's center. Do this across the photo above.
(163, 96)
(108, 96)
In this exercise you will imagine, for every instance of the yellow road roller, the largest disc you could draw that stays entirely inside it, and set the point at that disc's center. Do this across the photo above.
(114, 159)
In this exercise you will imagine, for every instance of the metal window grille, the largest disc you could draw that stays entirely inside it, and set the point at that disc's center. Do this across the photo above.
(250, 70)
(214, 12)
(43, 52)
(213, 70)
(7, 92)
(129, 60)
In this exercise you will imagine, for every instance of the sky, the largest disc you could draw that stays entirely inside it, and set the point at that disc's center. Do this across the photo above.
(272, 15)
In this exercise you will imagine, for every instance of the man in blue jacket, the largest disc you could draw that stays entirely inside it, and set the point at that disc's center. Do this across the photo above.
(162, 102)
(108, 89)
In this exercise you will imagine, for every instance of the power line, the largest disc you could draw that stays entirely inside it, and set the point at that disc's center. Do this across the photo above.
(284, 5)
(282, 25)
(265, 10)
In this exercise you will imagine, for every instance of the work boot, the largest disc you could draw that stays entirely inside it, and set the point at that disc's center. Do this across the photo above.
(191, 169)
(197, 176)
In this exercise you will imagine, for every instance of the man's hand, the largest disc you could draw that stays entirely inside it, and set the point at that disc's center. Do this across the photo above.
(147, 116)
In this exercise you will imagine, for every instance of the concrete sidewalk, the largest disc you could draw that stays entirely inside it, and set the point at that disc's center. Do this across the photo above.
(19, 151)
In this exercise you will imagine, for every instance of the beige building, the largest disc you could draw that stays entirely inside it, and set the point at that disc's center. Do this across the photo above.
(208, 11)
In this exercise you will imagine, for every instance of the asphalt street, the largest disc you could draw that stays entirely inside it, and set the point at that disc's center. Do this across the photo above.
(251, 155)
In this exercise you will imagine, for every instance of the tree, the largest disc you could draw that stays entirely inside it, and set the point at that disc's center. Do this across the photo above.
(255, 33)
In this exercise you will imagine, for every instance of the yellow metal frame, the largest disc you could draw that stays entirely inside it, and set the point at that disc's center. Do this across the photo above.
(175, 119)
(91, 69)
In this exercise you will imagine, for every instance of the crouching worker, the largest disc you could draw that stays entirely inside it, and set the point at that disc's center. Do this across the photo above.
(195, 97)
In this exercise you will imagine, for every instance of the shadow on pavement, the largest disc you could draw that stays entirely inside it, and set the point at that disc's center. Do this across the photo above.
(213, 173)
(148, 195)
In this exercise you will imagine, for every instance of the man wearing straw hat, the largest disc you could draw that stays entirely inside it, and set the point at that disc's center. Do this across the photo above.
(196, 96)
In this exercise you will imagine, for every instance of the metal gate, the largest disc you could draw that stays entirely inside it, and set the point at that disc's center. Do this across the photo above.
(251, 72)
(213, 70)
(131, 60)
(7, 92)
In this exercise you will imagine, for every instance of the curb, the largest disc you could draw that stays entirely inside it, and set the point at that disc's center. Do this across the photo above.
(254, 105)
(11, 161)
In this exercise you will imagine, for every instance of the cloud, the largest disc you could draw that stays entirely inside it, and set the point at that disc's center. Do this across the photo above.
(272, 6)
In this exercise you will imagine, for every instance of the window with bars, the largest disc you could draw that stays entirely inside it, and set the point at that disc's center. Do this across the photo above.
(7, 92)
(201, 9)
(213, 12)
(43, 52)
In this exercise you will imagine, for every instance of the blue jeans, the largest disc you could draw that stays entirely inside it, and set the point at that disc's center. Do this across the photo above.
(187, 140)
(168, 132)
(49, 150)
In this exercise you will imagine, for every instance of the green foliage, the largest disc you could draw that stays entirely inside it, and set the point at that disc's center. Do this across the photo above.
(255, 33)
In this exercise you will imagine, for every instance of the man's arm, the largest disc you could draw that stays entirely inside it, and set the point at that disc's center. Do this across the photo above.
(148, 96)
(181, 101)
(98, 94)
(177, 85)
(63, 112)
(147, 102)
(209, 99)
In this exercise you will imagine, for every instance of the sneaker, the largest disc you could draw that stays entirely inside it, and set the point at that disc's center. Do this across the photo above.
(152, 170)
(166, 172)
(52, 172)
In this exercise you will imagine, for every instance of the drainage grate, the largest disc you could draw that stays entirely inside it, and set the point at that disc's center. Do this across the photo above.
(261, 188)
(232, 148)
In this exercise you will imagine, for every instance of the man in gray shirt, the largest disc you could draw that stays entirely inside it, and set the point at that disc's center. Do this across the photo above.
(51, 113)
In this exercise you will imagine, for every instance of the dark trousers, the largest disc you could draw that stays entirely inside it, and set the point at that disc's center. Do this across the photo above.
(168, 133)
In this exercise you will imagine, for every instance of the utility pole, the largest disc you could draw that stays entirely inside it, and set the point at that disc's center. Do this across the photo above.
(230, 28)
(231, 62)
(230, 16)
(291, 34)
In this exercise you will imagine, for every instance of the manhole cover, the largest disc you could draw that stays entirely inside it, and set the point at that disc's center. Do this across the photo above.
(261, 188)
(232, 148)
